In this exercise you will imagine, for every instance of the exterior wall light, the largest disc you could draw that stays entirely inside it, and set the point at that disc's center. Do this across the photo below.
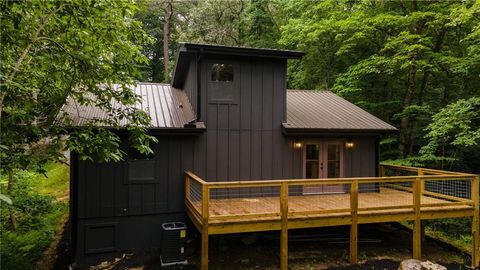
(297, 144)
(349, 144)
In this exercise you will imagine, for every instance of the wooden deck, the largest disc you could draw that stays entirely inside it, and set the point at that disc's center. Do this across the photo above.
(251, 206)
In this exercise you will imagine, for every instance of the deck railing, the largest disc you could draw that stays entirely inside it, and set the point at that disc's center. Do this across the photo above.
(399, 193)
(398, 188)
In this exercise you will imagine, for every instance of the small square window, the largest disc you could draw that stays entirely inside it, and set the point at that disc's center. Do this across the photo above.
(222, 73)
(221, 87)
(141, 167)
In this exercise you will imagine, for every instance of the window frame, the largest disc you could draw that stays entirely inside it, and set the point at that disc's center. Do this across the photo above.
(146, 180)
(233, 85)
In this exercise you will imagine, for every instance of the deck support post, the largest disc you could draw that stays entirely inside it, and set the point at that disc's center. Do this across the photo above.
(422, 191)
(417, 226)
(205, 213)
(476, 222)
(354, 225)
(284, 230)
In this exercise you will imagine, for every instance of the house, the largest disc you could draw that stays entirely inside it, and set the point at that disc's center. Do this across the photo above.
(227, 116)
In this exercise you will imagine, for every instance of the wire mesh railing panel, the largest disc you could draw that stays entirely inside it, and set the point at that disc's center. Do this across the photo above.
(440, 191)
(385, 195)
(242, 201)
(318, 198)
(412, 189)
(394, 171)
(195, 195)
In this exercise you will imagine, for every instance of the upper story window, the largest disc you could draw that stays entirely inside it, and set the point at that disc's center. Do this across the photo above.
(221, 84)
(141, 167)
(222, 72)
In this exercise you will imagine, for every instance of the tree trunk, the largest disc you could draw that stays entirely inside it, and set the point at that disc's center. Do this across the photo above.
(166, 39)
(414, 120)
(424, 86)
(404, 138)
(13, 221)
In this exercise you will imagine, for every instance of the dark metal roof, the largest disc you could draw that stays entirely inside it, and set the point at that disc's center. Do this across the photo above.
(238, 50)
(187, 50)
(168, 107)
(308, 111)
(324, 112)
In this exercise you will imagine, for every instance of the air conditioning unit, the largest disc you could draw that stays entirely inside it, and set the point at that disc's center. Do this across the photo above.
(173, 244)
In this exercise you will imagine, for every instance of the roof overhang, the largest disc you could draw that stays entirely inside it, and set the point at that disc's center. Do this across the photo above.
(188, 50)
(335, 132)
(194, 131)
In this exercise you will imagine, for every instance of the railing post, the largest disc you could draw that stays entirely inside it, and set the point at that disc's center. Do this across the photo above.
(422, 183)
(422, 191)
(205, 214)
(354, 225)
(381, 170)
(476, 222)
(417, 227)
(284, 230)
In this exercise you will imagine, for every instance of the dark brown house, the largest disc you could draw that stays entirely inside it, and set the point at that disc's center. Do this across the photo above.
(226, 116)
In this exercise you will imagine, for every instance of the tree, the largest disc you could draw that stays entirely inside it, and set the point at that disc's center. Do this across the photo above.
(163, 20)
(401, 60)
(52, 50)
(453, 130)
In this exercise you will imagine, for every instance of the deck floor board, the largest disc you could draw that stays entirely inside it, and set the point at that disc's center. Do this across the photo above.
(315, 202)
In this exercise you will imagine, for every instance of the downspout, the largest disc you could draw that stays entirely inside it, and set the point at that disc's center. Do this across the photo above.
(199, 73)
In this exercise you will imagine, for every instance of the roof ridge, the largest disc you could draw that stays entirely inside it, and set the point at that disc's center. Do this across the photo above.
(154, 83)
(309, 90)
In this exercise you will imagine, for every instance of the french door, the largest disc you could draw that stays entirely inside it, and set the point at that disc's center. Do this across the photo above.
(323, 160)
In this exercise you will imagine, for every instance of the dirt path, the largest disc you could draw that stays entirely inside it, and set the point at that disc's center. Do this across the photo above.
(56, 255)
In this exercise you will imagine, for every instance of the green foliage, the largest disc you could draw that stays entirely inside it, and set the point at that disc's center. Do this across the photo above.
(37, 213)
(456, 231)
(457, 126)
(19, 250)
(400, 60)
(239, 23)
(5, 199)
(52, 50)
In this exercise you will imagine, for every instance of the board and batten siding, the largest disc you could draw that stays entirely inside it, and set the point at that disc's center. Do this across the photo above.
(244, 140)
(190, 84)
(104, 190)
(361, 161)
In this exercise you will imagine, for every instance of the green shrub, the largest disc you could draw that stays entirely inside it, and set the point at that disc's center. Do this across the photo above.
(37, 215)
(20, 250)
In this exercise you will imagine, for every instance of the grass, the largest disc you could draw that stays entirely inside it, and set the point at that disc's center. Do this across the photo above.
(56, 183)
(454, 231)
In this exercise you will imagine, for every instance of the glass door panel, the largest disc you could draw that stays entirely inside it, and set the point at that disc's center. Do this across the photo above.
(332, 159)
(323, 160)
(312, 167)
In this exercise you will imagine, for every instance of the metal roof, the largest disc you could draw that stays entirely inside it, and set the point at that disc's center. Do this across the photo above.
(168, 107)
(323, 111)
(233, 50)
(307, 111)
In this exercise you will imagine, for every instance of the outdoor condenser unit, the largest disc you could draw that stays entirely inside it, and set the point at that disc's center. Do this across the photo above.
(173, 244)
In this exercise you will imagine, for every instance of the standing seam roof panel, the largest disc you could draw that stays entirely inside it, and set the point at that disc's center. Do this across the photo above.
(309, 109)
(159, 101)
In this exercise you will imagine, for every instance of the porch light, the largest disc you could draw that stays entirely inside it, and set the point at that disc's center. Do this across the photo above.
(349, 144)
(297, 144)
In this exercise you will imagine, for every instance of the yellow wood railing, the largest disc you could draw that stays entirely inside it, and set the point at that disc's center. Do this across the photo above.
(423, 189)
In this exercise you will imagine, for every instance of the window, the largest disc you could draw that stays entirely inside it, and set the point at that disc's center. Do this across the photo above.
(221, 86)
(222, 73)
(141, 167)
